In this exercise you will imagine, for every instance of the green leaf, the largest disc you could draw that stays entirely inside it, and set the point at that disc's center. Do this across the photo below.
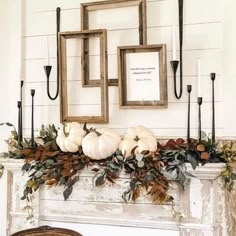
(49, 162)
(141, 164)
(9, 124)
(26, 167)
(139, 157)
(192, 161)
(233, 176)
(99, 179)
(5, 154)
(67, 192)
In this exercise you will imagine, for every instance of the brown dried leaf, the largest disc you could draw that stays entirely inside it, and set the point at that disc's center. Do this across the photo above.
(136, 194)
(179, 141)
(51, 154)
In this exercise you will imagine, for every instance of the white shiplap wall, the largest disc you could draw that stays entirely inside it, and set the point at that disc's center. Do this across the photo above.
(202, 38)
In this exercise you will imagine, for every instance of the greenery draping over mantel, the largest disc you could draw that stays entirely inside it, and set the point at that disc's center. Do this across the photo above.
(149, 171)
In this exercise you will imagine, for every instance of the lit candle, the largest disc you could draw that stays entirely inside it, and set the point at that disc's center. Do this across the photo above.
(199, 77)
(174, 42)
(47, 52)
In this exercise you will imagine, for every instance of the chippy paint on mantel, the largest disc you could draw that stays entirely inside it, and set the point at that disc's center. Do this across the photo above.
(202, 204)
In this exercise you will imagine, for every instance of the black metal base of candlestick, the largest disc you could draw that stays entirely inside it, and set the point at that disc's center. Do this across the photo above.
(199, 101)
(174, 66)
(189, 89)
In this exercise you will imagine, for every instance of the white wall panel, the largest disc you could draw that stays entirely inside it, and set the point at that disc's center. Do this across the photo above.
(202, 39)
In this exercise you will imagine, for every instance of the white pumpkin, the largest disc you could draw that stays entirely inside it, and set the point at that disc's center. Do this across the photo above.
(138, 136)
(70, 136)
(100, 144)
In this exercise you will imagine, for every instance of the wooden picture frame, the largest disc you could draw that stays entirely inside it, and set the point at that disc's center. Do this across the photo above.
(83, 35)
(111, 4)
(142, 76)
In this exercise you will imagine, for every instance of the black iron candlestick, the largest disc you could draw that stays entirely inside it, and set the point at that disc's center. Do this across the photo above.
(213, 76)
(48, 68)
(19, 123)
(21, 110)
(32, 119)
(199, 101)
(174, 66)
(189, 89)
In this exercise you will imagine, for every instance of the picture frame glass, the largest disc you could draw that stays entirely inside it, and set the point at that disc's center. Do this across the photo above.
(142, 76)
(143, 81)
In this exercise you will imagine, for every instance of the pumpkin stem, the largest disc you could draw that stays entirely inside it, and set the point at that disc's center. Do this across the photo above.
(136, 139)
(64, 130)
(96, 132)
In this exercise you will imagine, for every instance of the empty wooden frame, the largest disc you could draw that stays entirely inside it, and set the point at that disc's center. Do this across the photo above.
(95, 6)
(83, 35)
(142, 76)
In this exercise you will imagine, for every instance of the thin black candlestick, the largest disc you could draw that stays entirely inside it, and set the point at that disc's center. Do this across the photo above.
(32, 119)
(174, 64)
(181, 4)
(213, 76)
(48, 68)
(19, 123)
(189, 89)
(199, 101)
(21, 110)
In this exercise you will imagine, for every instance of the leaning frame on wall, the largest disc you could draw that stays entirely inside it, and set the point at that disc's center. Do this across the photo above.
(84, 35)
(94, 6)
(160, 74)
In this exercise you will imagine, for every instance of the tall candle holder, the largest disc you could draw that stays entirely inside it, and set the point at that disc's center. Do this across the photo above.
(189, 89)
(21, 110)
(19, 123)
(213, 76)
(32, 120)
(199, 101)
(174, 63)
(48, 68)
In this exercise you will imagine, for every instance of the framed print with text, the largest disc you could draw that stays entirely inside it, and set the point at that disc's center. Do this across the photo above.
(142, 76)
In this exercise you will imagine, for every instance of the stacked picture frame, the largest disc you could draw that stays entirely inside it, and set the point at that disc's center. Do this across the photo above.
(136, 75)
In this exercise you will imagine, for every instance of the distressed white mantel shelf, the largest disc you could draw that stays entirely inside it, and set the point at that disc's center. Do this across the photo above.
(203, 204)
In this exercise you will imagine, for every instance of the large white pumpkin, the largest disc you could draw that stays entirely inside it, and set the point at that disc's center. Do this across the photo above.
(70, 136)
(100, 144)
(138, 136)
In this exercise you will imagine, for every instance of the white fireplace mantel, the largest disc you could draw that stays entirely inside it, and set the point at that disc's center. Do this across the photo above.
(92, 208)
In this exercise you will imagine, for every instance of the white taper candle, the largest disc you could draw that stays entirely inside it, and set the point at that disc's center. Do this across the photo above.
(174, 42)
(47, 52)
(199, 78)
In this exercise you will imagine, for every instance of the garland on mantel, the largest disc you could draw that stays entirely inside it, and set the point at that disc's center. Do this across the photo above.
(149, 171)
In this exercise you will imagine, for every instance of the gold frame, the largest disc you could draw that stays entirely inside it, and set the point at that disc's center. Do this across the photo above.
(94, 6)
(84, 35)
(122, 51)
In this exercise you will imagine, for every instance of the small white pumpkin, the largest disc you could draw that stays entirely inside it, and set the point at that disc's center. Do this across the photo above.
(100, 144)
(70, 136)
(138, 136)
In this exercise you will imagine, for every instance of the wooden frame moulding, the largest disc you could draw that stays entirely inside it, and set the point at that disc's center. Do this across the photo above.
(83, 35)
(122, 77)
(95, 6)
